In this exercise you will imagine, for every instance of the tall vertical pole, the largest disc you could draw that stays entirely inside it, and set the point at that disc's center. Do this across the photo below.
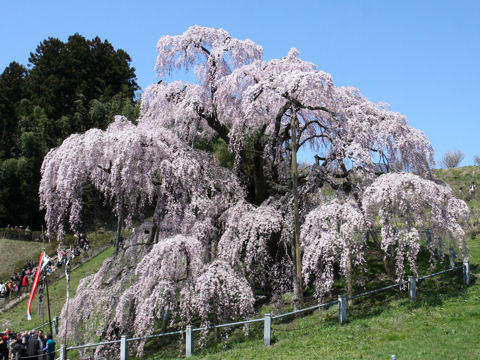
(67, 277)
(298, 260)
(48, 302)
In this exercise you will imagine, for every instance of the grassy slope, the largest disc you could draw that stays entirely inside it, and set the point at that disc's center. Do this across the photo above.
(442, 324)
(16, 318)
(13, 255)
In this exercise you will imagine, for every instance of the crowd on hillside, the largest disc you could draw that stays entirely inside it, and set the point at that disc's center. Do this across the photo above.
(20, 282)
(29, 345)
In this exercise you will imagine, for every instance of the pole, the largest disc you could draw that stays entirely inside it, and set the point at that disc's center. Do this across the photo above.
(63, 352)
(412, 288)
(298, 260)
(123, 348)
(267, 330)
(188, 341)
(67, 277)
(342, 309)
(48, 302)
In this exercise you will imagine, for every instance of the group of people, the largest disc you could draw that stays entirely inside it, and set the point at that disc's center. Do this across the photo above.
(64, 254)
(27, 345)
(18, 283)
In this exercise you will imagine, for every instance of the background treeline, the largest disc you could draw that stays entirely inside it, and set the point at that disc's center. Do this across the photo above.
(67, 87)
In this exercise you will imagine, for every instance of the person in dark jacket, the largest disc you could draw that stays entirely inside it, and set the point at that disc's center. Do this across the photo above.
(3, 347)
(18, 349)
(33, 345)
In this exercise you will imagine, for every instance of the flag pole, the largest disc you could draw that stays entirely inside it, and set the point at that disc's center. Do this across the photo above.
(67, 276)
(48, 301)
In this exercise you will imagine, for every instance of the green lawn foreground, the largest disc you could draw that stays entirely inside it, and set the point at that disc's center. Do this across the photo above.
(16, 318)
(444, 323)
(13, 258)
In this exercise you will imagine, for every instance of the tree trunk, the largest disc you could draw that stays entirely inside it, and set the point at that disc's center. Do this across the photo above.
(388, 263)
(118, 237)
(157, 215)
(296, 254)
(258, 175)
(349, 278)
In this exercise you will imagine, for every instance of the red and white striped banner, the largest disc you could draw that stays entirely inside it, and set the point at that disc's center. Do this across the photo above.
(41, 264)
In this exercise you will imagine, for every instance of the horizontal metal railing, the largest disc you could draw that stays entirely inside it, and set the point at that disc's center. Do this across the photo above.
(315, 307)
(156, 335)
(268, 318)
(440, 272)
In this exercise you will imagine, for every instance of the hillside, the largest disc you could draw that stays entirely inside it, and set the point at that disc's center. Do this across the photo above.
(16, 318)
(441, 324)
(460, 180)
(14, 254)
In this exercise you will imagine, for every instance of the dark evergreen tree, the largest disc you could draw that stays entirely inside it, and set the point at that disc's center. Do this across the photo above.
(71, 87)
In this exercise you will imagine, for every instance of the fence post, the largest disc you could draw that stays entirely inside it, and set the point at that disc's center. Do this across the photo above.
(188, 341)
(123, 348)
(466, 272)
(55, 325)
(63, 352)
(342, 309)
(267, 330)
(412, 288)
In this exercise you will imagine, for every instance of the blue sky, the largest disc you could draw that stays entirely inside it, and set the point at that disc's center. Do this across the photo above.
(422, 57)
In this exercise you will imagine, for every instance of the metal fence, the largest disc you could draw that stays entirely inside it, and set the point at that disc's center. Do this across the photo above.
(267, 320)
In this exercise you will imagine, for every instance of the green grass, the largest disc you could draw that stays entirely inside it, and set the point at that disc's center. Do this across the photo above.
(16, 318)
(14, 254)
(442, 324)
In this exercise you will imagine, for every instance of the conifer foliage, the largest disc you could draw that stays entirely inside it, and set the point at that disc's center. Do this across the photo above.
(221, 234)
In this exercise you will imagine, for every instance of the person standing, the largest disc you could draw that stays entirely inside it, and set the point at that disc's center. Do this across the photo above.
(50, 347)
(41, 344)
(4, 347)
(25, 283)
(33, 345)
(18, 349)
